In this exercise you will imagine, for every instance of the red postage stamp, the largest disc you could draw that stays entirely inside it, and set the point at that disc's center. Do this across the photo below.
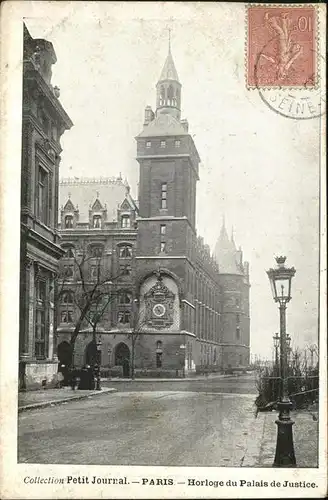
(281, 46)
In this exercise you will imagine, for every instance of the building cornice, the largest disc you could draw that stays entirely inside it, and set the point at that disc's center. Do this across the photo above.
(36, 238)
(31, 73)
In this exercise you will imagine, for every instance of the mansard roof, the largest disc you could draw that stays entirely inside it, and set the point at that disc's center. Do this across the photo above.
(163, 125)
(91, 193)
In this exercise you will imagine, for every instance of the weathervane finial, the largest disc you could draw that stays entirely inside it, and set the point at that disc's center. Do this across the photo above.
(169, 30)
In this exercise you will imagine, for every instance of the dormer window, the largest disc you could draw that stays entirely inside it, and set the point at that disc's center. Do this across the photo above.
(125, 221)
(96, 221)
(148, 144)
(163, 144)
(125, 252)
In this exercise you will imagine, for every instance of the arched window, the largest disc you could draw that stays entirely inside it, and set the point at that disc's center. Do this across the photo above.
(96, 251)
(170, 95)
(69, 251)
(177, 96)
(162, 96)
(125, 251)
(69, 222)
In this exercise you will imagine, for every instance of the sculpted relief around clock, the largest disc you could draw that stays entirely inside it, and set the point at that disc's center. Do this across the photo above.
(159, 302)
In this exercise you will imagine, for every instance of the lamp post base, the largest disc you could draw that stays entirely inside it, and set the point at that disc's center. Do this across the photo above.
(285, 455)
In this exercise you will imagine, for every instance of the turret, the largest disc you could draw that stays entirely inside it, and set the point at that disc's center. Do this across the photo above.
(169, 89)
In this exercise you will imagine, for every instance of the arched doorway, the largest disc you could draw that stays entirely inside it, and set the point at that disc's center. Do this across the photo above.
(122, 358)
(91, 355)
(64, 353)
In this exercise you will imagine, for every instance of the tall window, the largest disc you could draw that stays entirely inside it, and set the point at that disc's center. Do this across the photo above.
(162, 96)
(159, 361)
(159, 354)
(163, 144)
(66, 316)
(68, 272)
(42, 202)
(164, 195)
(148, 144)
(163, 246)
(67, 297)
(125, 298)
(125, 221)
(237, 326)
(125, 252)
(97, 221)
(94, 272)
(66, 312)
(170, 96)
(123, 317)
(69, 251)
(40, 320)
(96, 251)
(163, 229)
(69, 222)
(177, 143)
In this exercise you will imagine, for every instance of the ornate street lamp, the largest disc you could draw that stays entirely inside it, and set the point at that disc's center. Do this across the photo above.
(280, 279)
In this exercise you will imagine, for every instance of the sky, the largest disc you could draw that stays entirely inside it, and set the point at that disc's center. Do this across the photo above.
(259, 170)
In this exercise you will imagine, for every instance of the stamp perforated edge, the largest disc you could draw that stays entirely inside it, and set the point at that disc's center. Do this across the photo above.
(316, 44)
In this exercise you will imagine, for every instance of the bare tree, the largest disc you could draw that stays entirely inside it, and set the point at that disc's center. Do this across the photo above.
(138, 322)
(93, 290)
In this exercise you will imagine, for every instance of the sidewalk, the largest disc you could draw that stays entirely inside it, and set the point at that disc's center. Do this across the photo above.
(49, 397)
(178, 379)
(262, 443)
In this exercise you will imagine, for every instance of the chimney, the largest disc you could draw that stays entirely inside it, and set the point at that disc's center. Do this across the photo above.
(185, 124)
(149, 115)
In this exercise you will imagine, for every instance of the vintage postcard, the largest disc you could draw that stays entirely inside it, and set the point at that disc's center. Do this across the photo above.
(163, 250)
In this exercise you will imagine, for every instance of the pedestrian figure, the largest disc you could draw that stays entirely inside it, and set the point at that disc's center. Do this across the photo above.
(73, 380)
(62, 375)
(83, 385)
(90, 378)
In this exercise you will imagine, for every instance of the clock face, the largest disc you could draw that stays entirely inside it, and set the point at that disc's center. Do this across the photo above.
(159, 310)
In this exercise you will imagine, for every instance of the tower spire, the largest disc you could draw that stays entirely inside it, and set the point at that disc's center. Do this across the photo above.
(168, 87)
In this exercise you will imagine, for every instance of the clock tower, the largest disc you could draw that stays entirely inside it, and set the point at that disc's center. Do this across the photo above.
(169, 164)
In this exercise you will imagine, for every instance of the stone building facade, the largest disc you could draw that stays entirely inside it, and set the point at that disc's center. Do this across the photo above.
(184, 310)
(44, 122)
